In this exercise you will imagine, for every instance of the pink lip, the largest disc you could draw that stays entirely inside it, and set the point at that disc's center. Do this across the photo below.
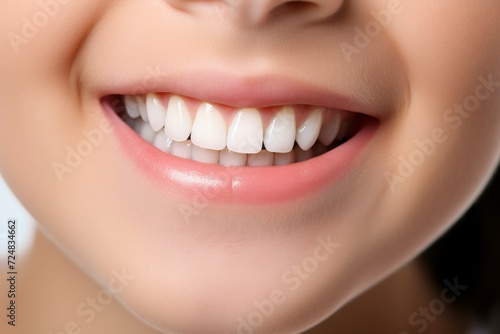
(243, 91)
(206, 183)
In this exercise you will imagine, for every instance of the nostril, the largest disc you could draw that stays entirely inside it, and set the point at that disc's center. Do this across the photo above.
(300, 5)
(294, 8)
(304, 11)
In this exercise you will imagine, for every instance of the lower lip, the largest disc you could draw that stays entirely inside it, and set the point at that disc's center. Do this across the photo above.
(211, 183)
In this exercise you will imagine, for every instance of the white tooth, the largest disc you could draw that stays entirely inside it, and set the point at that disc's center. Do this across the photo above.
(301, 155)
(308, 132)
(203, 155)
(178, 122)
(182, 149)
(245, 134)
(330, 130)
(228, 158)
(263, 158)
(131, 106)
(209, 128)
(146, 132)
(280, 134)
(281, 159)
(162, 142)
(143, 110)
(156, 112)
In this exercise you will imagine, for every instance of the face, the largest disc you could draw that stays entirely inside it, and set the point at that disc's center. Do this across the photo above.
(177, 141)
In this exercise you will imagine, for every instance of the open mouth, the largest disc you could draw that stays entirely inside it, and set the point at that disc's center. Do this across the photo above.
(257, 141)
(218, 134)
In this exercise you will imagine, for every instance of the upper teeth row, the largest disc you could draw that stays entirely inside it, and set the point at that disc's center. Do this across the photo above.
(245, 134)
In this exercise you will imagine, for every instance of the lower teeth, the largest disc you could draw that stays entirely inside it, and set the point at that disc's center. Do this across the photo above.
(188, 150)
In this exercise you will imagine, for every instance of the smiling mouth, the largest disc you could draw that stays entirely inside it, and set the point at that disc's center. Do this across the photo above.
(249, 141)
(217, 134)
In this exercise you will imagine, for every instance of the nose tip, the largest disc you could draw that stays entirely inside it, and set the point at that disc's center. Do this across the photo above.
(252, 13)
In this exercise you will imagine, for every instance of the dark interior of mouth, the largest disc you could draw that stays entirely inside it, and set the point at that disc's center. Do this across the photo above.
(351, 125)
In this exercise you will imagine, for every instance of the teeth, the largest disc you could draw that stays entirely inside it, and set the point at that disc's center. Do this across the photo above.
(228, 158)
(203, 155)
(162, 142)
(146, 132)
(301, 155)
(131, 122)
(263, 158)
(132, 107)
(178, 121)
(308, 132)
(172, 130)
(280, 134)
(281, 159)
(342, 131)
(182, 149)
(245, 134)
(319, 149)
(156, 112)
(330, 130)
(143, 110)
(209, 128)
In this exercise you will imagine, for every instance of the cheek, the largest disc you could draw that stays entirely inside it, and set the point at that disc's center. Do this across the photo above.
(451, 51)
(439, 150)
(446, 44)
(41, 113)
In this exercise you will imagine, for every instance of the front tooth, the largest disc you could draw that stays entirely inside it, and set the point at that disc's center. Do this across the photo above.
(330, 130)
(156, 112)
(162, 142)
(178, 122)
(131, 106)
(209, 128)
(263, 158)
(182, 149)
(203, 155)
(308, 132)
(229, 158)
(280, 134)
(143, 110)
(245, 134)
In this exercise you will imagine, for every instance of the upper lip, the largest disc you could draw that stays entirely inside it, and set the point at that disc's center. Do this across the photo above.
(238, 91)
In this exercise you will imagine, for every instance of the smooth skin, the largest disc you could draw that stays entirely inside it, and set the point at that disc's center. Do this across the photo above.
(431, 74)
